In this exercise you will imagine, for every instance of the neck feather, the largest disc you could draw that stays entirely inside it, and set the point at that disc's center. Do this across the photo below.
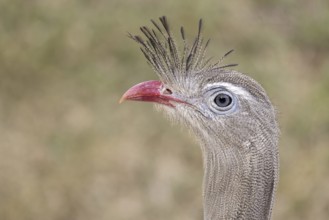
(239, 181)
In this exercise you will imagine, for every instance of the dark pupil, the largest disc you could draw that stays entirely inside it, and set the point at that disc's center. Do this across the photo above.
(223, 100)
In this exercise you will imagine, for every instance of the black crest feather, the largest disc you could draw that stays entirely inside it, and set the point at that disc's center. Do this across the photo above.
(163, 54)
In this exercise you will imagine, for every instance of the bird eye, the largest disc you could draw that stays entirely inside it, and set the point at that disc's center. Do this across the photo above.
(223, 100)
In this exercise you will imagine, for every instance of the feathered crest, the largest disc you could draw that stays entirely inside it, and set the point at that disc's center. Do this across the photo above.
(162, 53)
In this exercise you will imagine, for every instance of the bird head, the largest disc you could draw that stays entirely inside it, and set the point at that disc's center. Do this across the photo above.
(230, 114)
(216, 103)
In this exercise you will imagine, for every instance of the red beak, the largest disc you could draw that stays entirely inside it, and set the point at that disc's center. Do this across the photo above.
(150, 91)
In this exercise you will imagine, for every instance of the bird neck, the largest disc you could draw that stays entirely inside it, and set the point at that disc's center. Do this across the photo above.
(239, 181)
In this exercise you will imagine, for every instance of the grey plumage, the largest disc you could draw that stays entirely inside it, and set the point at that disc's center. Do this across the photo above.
(231, 116)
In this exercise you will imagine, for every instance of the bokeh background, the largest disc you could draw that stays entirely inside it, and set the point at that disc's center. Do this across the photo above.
(69, 151)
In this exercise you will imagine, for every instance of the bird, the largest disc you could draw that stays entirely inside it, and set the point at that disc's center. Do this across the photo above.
(228, 112)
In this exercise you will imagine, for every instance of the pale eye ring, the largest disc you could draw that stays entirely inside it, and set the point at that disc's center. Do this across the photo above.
(222, 102)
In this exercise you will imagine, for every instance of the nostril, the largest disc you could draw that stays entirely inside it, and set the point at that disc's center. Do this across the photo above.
(167, 91)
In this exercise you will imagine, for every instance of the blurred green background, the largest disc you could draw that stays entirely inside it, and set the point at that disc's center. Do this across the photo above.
(69, 151)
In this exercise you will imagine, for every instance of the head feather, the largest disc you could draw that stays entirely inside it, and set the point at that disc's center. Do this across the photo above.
(162, 53)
